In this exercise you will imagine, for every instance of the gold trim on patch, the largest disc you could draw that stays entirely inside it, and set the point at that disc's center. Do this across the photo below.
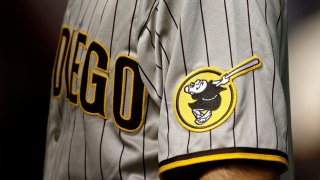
(206, 97)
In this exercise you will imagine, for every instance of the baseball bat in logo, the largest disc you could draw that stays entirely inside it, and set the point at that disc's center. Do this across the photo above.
(206, 97)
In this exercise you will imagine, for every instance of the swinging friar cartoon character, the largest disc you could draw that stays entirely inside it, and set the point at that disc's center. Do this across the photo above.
(207, 93)
(207, 96)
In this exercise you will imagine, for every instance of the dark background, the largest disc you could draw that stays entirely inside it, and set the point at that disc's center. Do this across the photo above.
(29, 34)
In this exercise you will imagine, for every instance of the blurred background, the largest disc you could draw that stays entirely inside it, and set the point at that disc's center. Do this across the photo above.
(304, 66)
(29, 35)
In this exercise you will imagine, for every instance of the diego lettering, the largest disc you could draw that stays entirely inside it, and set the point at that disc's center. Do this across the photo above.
(85, 68)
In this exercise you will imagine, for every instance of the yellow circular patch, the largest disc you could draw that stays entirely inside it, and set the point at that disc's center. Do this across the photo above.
(225, 101)
(206, 97)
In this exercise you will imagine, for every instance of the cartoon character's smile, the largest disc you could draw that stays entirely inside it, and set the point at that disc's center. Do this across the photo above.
(196, 87)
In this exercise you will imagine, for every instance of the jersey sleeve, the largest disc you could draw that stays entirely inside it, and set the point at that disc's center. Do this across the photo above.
(216, 71)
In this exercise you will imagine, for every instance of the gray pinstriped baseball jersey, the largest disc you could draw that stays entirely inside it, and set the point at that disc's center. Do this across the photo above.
(147, 87)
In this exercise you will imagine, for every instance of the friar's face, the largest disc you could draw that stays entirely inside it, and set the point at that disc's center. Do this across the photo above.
(196, 87)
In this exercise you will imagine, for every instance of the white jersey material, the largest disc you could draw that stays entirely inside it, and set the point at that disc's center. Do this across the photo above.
(142, 89)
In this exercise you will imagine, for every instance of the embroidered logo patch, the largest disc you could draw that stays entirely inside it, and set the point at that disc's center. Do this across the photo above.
(206, 97)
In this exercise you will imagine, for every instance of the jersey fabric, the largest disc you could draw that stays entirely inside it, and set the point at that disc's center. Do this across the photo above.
(128, 83)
